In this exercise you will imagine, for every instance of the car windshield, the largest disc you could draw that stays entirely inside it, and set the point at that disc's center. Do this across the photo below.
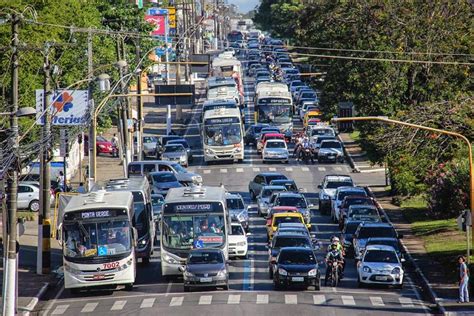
(275, 145)
(173, 148)
(355, 201)
(321, 131)
(258, 128)
(297, 257)
(321, 138)
(287, 219)
(205, 257)
(269, 178)
(178, 168)
(367, 232)
(97, 239)
(343, 194)
(388, 242)
(237, 230)
(362, 212)
(149, 139)
(308, 95)
(164, 177)
(337, 184)
(327, 144)
(180, 142)
(296, 201)
(380, 256)
(101, 139)
(235, 203)
(291, 241)
(222, 134)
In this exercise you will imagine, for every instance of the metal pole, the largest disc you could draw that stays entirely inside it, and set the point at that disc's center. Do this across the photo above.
(139, 106)
(91, 141)
(9, 300)
(216, 40)
(43, 262)
(124, 109)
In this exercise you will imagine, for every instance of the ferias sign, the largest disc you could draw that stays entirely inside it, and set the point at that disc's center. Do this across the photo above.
(68, 107)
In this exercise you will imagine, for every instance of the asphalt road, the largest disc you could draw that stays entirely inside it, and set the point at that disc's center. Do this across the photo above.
(251, 291)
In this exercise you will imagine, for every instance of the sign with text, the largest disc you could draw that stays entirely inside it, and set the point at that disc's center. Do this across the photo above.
(68, 107)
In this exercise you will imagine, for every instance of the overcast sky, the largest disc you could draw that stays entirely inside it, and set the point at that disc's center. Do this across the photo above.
(245, 5)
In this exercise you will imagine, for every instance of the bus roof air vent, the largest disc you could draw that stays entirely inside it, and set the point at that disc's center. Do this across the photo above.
(95, 197)
(194, 190)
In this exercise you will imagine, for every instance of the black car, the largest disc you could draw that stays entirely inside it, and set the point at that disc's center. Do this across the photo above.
(289, 184)
(296, 266)
(286, 239)
(347, 235)
(253, 133)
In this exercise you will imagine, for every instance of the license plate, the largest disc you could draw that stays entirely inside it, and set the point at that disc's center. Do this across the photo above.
(297, 279)
(205, 280)
(381, 278)
(99, 277)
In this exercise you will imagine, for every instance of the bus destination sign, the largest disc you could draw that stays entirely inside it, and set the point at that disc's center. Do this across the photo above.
(92, 214)
(184, 208)
(222, 120)
(276, 101)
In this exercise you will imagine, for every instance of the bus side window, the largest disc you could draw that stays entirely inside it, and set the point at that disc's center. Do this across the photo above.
(147, 168)
(134, 169)
(164, 168)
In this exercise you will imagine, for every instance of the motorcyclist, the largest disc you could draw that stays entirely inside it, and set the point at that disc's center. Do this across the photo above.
(298, 145)
(307, 145)
(334, 255)
(335, 241)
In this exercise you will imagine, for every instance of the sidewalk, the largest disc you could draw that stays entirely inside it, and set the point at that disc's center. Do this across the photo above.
(430, 274)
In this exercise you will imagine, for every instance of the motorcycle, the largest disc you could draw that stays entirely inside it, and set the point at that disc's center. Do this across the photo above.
(334, 274)
(307, 154)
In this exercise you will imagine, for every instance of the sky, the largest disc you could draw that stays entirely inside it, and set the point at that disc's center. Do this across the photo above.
(245, 5)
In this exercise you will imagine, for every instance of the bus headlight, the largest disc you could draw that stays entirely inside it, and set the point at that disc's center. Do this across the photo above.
(238, 149)
(170, 260)
(209, 151)
(71, 270)
(188, 274)
(196, 179)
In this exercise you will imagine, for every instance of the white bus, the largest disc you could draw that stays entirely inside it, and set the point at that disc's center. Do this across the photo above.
(223, 135)
(225, 66)
(223, 88)
(192, 217)
(274, 106)
(98, 240)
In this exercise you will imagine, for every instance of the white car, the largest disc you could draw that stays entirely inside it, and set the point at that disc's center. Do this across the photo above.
(275, 150)
(380, 264)
(238, 245)
(29, 195)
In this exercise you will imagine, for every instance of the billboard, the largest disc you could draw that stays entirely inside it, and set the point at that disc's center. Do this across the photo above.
(68, 107)
(159, 22)
(172, 17)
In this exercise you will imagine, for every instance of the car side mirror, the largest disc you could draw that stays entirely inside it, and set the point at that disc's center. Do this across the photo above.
(181, 269)
(320, 186)
(400, 236)
(248, 234)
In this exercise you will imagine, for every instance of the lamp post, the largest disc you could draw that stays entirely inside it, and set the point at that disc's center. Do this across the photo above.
(431, 129)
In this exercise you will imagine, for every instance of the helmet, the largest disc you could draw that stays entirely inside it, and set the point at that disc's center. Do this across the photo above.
(335, 239)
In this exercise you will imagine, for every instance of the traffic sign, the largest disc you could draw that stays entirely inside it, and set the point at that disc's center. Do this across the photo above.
(157, 11)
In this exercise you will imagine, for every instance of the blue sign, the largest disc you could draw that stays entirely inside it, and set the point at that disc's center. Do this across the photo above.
(102, 251)
(198, 244)
(157, 11)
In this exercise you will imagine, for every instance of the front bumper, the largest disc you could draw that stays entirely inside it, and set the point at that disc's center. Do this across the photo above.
(330, 158)
(236, 251)
(275, 158)
(381, 278)
(219, 156)
(289, 280)
(215, 281)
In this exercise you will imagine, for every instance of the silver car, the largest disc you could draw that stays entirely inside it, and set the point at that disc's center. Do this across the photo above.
(331, 150)
(29, 195)
(275, 150)
(149, 146)
(237, 209)
(176, 153)
(264, 197)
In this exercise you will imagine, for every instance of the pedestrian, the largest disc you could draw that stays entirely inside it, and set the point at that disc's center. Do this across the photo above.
(115, 144)
(81, 188)
(61, 181)
(463, 280)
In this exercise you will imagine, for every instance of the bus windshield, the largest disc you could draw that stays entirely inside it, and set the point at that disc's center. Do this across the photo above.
(96, 239)
(222, 134)
(193, 231)
(274, 113)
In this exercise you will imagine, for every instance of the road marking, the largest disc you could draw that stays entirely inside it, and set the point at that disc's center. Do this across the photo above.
(372, 170)
(348, 300)
(223, 170)
(239, 170)
(338, 168)
(176, 301)
(272, 169)
(376, 301)
(205, 300)
(291, 299)
(60, 309)
(233, 299)
(319, 299)
(256, 169)
(206, 171)
(118, 305)
(304, 169)
(321, 169)
(89, 307)
(168, 288)
(147, 303)
(262, 299)
(406, 302)
(288, 169)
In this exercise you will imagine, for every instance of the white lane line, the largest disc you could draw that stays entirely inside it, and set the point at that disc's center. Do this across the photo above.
(272, 169)
(206, 171)
(147, 303)
(321, 169)
(177, 301)
(89, 307)
(118, 305)
(319, 299)
(168, 288)
(256, 169)
(239, 170)
(338, 168)
(233, 299)
(376, 301)
(291, 299)
(304, 169)
(60, 309)
(348, 300)
(223, 170)
(406, 302)
(262, 298)
(205, 300)
(288, 169)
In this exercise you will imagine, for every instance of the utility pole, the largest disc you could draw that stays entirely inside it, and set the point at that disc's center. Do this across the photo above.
(139, 104)
(91, 138)
(43, 258)
(216, 39)
(11, 273)
(124, 113)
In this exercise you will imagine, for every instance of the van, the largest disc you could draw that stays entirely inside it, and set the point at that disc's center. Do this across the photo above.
(143, 168)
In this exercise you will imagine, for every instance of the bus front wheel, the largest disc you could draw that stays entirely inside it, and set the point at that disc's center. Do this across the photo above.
(129, 287)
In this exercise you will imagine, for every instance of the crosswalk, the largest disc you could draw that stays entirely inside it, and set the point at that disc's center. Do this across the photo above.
(236, 298)
(244, 169)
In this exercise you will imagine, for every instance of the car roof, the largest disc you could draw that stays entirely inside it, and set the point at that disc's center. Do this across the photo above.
(279, 208)
(380, 247)
(160, 173)
(291, 234)
(292, 225)
(156, 195)
(383, 238)
(170, 145)
(286, 193)
(287, 215)
(362, 206)
(273, 187)
(371, 224)
(277, 140)
(283, 181)
(346, 189)
(337, 178)
(233, 196)
(357, 197)
(274, 135)
(270, 174)
(295, 249)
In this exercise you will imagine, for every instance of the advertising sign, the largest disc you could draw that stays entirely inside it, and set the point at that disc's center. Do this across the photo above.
(68, 107)
(172, 17)
(159, 24)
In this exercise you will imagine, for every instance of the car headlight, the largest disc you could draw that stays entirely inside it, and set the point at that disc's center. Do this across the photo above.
(241, 243)
(243, 216)
(170, 260)
(102, 146)
(222, 273)
(366, 269)
(197, 179)
(182, 158)
(282, 271)
(396, 270)
(188, 274)
(312, 272)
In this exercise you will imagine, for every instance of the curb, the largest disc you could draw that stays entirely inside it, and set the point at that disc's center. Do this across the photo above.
(34, 301)
(354, 167)
(425, 284)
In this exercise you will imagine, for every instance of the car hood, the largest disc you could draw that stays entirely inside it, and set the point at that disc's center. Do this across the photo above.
(236, 238)
(276, 151)
(174, 154)
(302, 268)
(167, 185)
(205, 268)
(362, 242)
(380, 266)
(330, 151)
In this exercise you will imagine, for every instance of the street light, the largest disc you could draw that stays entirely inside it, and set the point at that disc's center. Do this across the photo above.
(431, 129)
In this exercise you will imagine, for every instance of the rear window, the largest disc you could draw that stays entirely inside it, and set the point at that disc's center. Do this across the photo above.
(288, 219)
(367, 232)
(134, 169)
(237, 230)
(343, 194)
(337, 184)
(351, 227)
(275, 177)
(292, 201)
(235, 204)
(291, 241)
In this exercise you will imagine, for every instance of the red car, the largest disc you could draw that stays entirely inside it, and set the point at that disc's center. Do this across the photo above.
(103, 145)
(354, 200)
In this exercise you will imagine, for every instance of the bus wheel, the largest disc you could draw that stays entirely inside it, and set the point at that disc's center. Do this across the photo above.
(240, 160)
(146, 260)
(74, 291)
(129, 287)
